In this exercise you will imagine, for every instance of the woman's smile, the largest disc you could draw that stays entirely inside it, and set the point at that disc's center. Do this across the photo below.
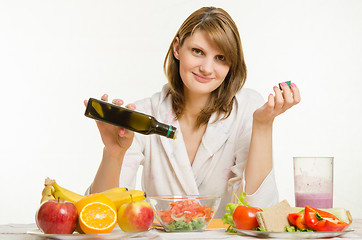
(202, 79)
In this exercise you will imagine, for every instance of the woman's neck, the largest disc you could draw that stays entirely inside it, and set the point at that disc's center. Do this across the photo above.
(193, 106)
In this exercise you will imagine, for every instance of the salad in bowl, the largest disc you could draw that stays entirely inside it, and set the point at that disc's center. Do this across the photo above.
(186, 212)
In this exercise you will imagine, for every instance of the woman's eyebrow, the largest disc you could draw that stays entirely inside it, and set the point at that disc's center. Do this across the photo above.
(196, 46)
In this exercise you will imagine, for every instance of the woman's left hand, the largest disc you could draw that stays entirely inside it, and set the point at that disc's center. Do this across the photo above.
(277, 104)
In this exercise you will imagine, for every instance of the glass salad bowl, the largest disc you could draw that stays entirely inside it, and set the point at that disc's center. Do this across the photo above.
(184, 213)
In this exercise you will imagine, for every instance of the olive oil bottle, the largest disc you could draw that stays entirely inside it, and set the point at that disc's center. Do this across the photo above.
(128, 119)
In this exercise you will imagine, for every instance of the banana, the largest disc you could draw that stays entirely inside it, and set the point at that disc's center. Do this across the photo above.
(114, 191)
(65, 194)
(126, 197)
(119, 195)
(47, 193)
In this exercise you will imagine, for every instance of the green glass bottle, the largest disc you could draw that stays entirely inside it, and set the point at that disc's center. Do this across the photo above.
(128, 119)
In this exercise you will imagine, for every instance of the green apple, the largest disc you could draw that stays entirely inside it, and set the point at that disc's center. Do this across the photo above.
(135, 216)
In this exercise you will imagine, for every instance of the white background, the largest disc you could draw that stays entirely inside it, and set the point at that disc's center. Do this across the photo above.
(55, 54)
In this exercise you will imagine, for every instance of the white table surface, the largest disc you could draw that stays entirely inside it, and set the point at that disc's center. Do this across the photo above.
(30, 232)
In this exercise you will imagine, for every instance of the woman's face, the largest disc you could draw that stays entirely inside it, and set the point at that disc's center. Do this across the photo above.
(203, 66)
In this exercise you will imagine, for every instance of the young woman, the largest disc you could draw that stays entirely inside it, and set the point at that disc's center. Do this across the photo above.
(224, 141)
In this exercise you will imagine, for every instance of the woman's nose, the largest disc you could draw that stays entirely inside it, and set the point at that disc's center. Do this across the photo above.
(206, 67)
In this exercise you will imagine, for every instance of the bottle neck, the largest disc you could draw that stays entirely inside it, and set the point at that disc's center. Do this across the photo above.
(168, 131)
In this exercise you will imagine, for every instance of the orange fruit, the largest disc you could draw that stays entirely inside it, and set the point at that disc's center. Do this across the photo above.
(95, 197)
(97, 218)
(97, 214)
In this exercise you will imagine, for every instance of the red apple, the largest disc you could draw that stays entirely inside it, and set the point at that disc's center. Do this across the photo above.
(57, 217)
(135, 216)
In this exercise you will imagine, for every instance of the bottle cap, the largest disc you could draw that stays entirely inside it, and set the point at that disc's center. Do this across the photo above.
(175, 134)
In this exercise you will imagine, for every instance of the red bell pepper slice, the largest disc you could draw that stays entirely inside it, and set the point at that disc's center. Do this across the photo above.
(297, 219)
(322, 221)
(292, 217)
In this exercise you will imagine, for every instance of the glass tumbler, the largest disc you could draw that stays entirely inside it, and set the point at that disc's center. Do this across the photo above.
(313, 181)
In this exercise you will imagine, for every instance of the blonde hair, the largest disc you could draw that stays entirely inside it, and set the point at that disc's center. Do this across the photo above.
(223, 31)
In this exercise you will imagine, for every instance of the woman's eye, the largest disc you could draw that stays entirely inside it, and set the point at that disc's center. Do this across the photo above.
(196, 51)
(220, 58)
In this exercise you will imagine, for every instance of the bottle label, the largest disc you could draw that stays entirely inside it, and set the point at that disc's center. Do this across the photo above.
(169, 131)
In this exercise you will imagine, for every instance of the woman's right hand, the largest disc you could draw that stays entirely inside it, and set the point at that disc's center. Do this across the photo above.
(116, 140)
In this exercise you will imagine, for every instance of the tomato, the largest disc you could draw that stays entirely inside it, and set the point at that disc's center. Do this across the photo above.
(187, 209)
(165, 216)
(244, 217)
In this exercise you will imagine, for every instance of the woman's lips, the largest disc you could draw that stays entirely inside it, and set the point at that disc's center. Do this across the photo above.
(202, 79)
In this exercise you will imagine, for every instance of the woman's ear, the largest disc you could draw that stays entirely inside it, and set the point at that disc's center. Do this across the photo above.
(176, 48)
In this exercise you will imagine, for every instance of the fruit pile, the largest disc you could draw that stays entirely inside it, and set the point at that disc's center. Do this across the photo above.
(63, 211)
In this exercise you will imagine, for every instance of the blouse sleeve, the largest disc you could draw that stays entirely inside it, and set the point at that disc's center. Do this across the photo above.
(267, 194)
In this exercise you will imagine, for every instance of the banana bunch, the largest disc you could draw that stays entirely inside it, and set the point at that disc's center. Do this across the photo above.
(48, 190)
(118, 195)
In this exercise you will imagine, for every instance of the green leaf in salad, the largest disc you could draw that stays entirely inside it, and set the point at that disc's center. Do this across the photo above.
(241, 200)
(198, 223)
(296, 229)
(181, 225)
(259, 229)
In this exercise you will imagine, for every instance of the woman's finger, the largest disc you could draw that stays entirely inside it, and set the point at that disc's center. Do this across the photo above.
(131, 106)
(104, 97)
(85, 102)
(122, 131)
(118, 102)
(287, 95)
(271, 101)
(296, 93)
(279, 100)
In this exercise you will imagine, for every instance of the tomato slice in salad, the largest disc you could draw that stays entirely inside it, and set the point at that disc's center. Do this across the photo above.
(186, 210)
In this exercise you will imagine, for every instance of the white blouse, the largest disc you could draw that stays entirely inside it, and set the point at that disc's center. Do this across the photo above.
(218, 167)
